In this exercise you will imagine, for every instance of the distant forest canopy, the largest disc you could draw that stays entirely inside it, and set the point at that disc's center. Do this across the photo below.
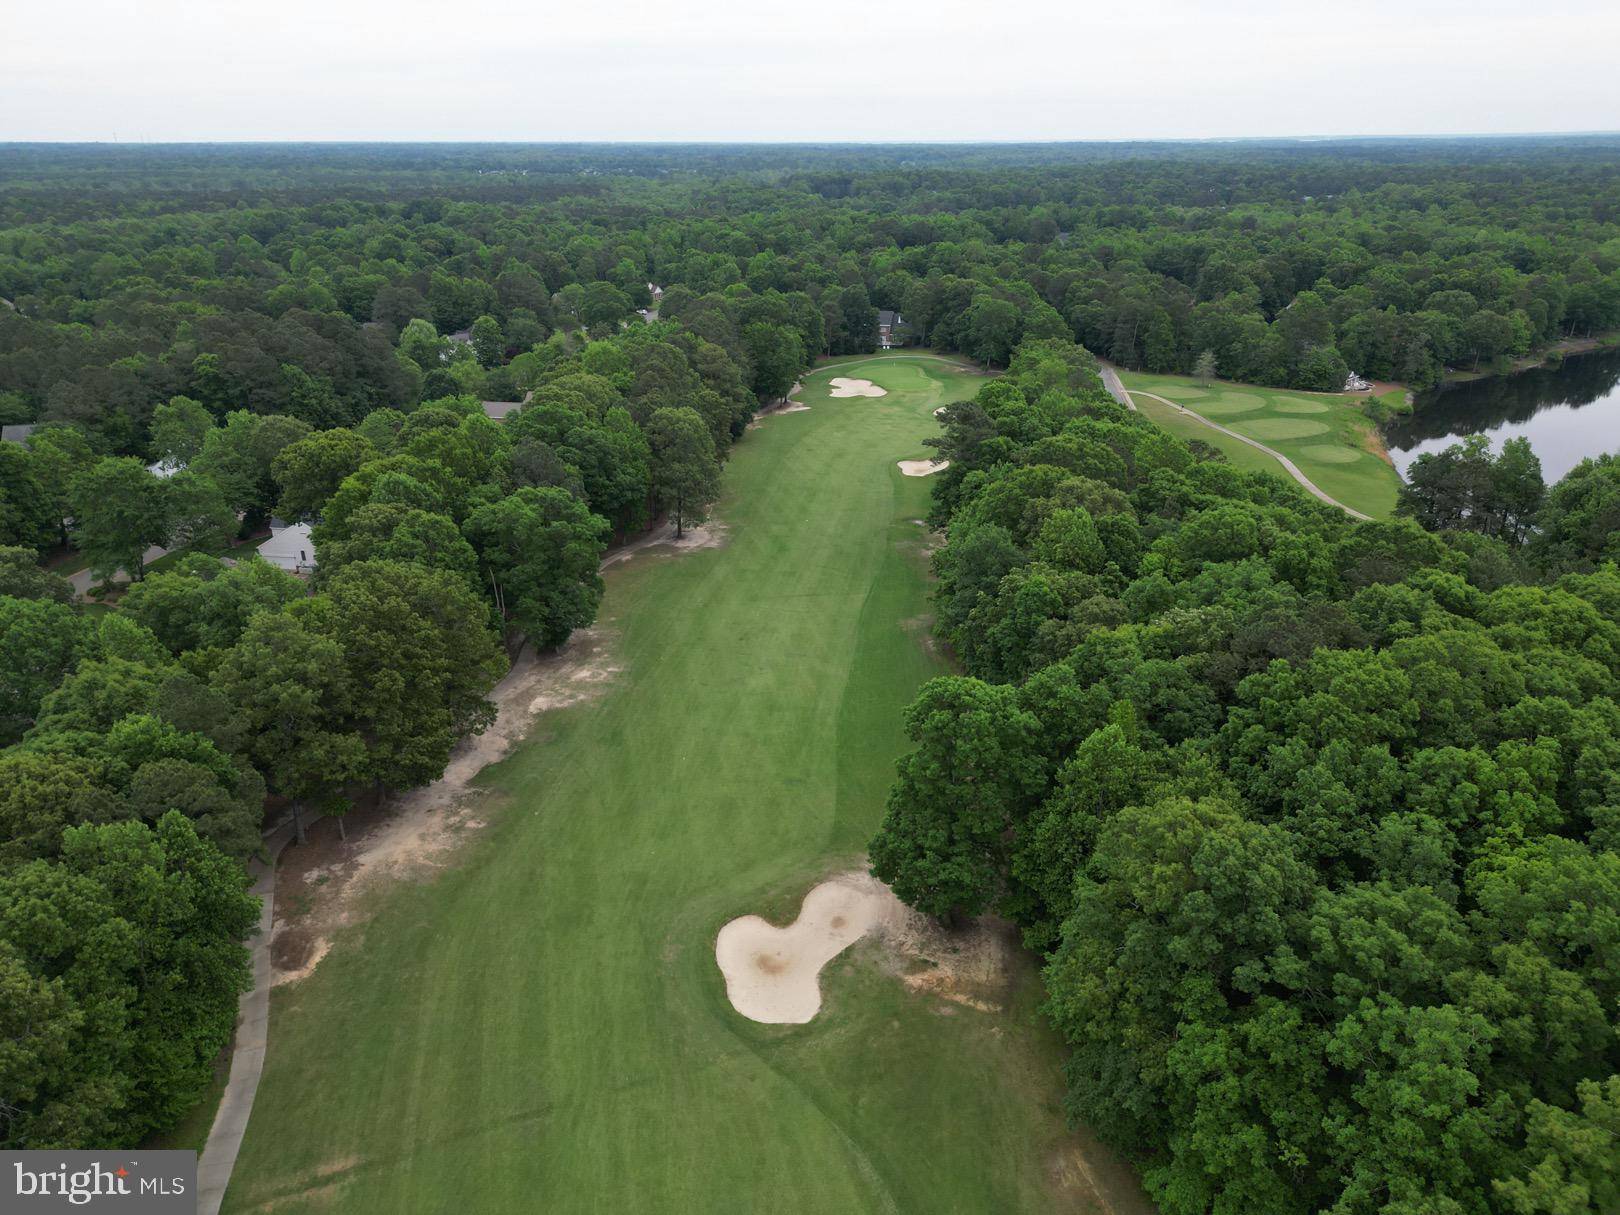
(281, 278)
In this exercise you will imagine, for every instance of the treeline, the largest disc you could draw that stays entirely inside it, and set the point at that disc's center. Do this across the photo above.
(1316, 824)
(1291, 266)
(143, 745)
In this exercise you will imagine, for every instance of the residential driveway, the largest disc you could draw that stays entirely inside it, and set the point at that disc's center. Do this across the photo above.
(83, 580)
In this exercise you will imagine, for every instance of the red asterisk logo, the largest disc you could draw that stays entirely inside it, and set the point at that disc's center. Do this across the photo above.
(122, 1171)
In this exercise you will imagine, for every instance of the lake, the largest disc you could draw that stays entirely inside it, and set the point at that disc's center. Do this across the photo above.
(1567, 412)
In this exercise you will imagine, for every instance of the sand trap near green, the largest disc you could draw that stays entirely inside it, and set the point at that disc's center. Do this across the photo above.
(1293, 405)
(773, 974)
(539, 1024)
(1327, 453)
(1280, 428)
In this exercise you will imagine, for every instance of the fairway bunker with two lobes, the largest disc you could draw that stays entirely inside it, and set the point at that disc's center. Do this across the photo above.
(843, 386)
(773, 975)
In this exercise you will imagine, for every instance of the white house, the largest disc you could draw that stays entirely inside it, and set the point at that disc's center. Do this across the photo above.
(289, 547)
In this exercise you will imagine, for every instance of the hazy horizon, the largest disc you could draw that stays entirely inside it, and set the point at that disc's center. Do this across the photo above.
(495, 71)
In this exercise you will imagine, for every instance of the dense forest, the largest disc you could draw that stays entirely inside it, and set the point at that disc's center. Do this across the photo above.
(1315, 824)
(281, 282)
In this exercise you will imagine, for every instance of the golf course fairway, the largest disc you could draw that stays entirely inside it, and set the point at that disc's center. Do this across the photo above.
(540, 1024)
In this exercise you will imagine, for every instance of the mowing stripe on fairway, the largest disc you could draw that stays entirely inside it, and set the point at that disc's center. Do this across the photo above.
(543, 1027)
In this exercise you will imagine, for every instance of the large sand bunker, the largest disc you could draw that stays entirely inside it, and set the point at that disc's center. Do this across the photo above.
(922, 468)
(773, 974)
(842, 386)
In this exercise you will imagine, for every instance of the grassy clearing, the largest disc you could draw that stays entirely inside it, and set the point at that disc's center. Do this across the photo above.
(1328, 435)
(543, 1026)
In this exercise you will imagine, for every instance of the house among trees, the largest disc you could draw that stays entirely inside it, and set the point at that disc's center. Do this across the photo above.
(497, 410)
(889, 326)
(17, 434)
(289, 547)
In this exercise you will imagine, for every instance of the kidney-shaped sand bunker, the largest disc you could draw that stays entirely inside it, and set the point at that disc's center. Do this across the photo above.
(773, 975)
(843, 386)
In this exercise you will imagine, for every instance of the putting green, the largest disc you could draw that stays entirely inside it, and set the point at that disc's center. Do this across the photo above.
(1279, 428)
(1337, 439)
(542, 1025)
(1182, 392)
(1226, 405)
(1327, 453)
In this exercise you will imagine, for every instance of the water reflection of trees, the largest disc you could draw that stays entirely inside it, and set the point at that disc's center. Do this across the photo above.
(1480, 405)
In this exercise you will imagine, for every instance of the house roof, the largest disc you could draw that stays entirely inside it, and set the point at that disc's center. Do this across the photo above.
(16, 434)
(499, 409)
(888, 318)
(286, 542)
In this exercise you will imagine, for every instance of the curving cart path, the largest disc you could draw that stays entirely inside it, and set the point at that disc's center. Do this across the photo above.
(1293, 469)
(247, 1053)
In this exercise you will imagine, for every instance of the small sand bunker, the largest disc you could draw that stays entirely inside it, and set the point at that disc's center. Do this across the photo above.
(773, 974)
(845, 387)
(922, 468)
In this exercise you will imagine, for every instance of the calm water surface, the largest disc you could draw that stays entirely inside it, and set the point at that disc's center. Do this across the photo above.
(1567, 413)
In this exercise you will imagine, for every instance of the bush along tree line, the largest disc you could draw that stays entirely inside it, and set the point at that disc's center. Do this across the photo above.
(1315, 823)
(141, 745)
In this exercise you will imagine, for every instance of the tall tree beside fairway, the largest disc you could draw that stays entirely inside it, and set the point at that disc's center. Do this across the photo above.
(685, 473)
(291, 685)
(777, 352)
(1204, 368)
(121, 511)
(419, 658)
(540, 549)
(992, 329)
(120, 968)
(943, 843)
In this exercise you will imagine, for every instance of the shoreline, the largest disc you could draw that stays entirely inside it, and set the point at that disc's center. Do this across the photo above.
(1559, 350)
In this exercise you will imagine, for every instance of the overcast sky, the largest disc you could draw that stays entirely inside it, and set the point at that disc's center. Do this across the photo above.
(828, 69)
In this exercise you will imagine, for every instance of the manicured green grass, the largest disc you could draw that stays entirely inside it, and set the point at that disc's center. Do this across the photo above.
(542, 1027)
(1328, 435)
